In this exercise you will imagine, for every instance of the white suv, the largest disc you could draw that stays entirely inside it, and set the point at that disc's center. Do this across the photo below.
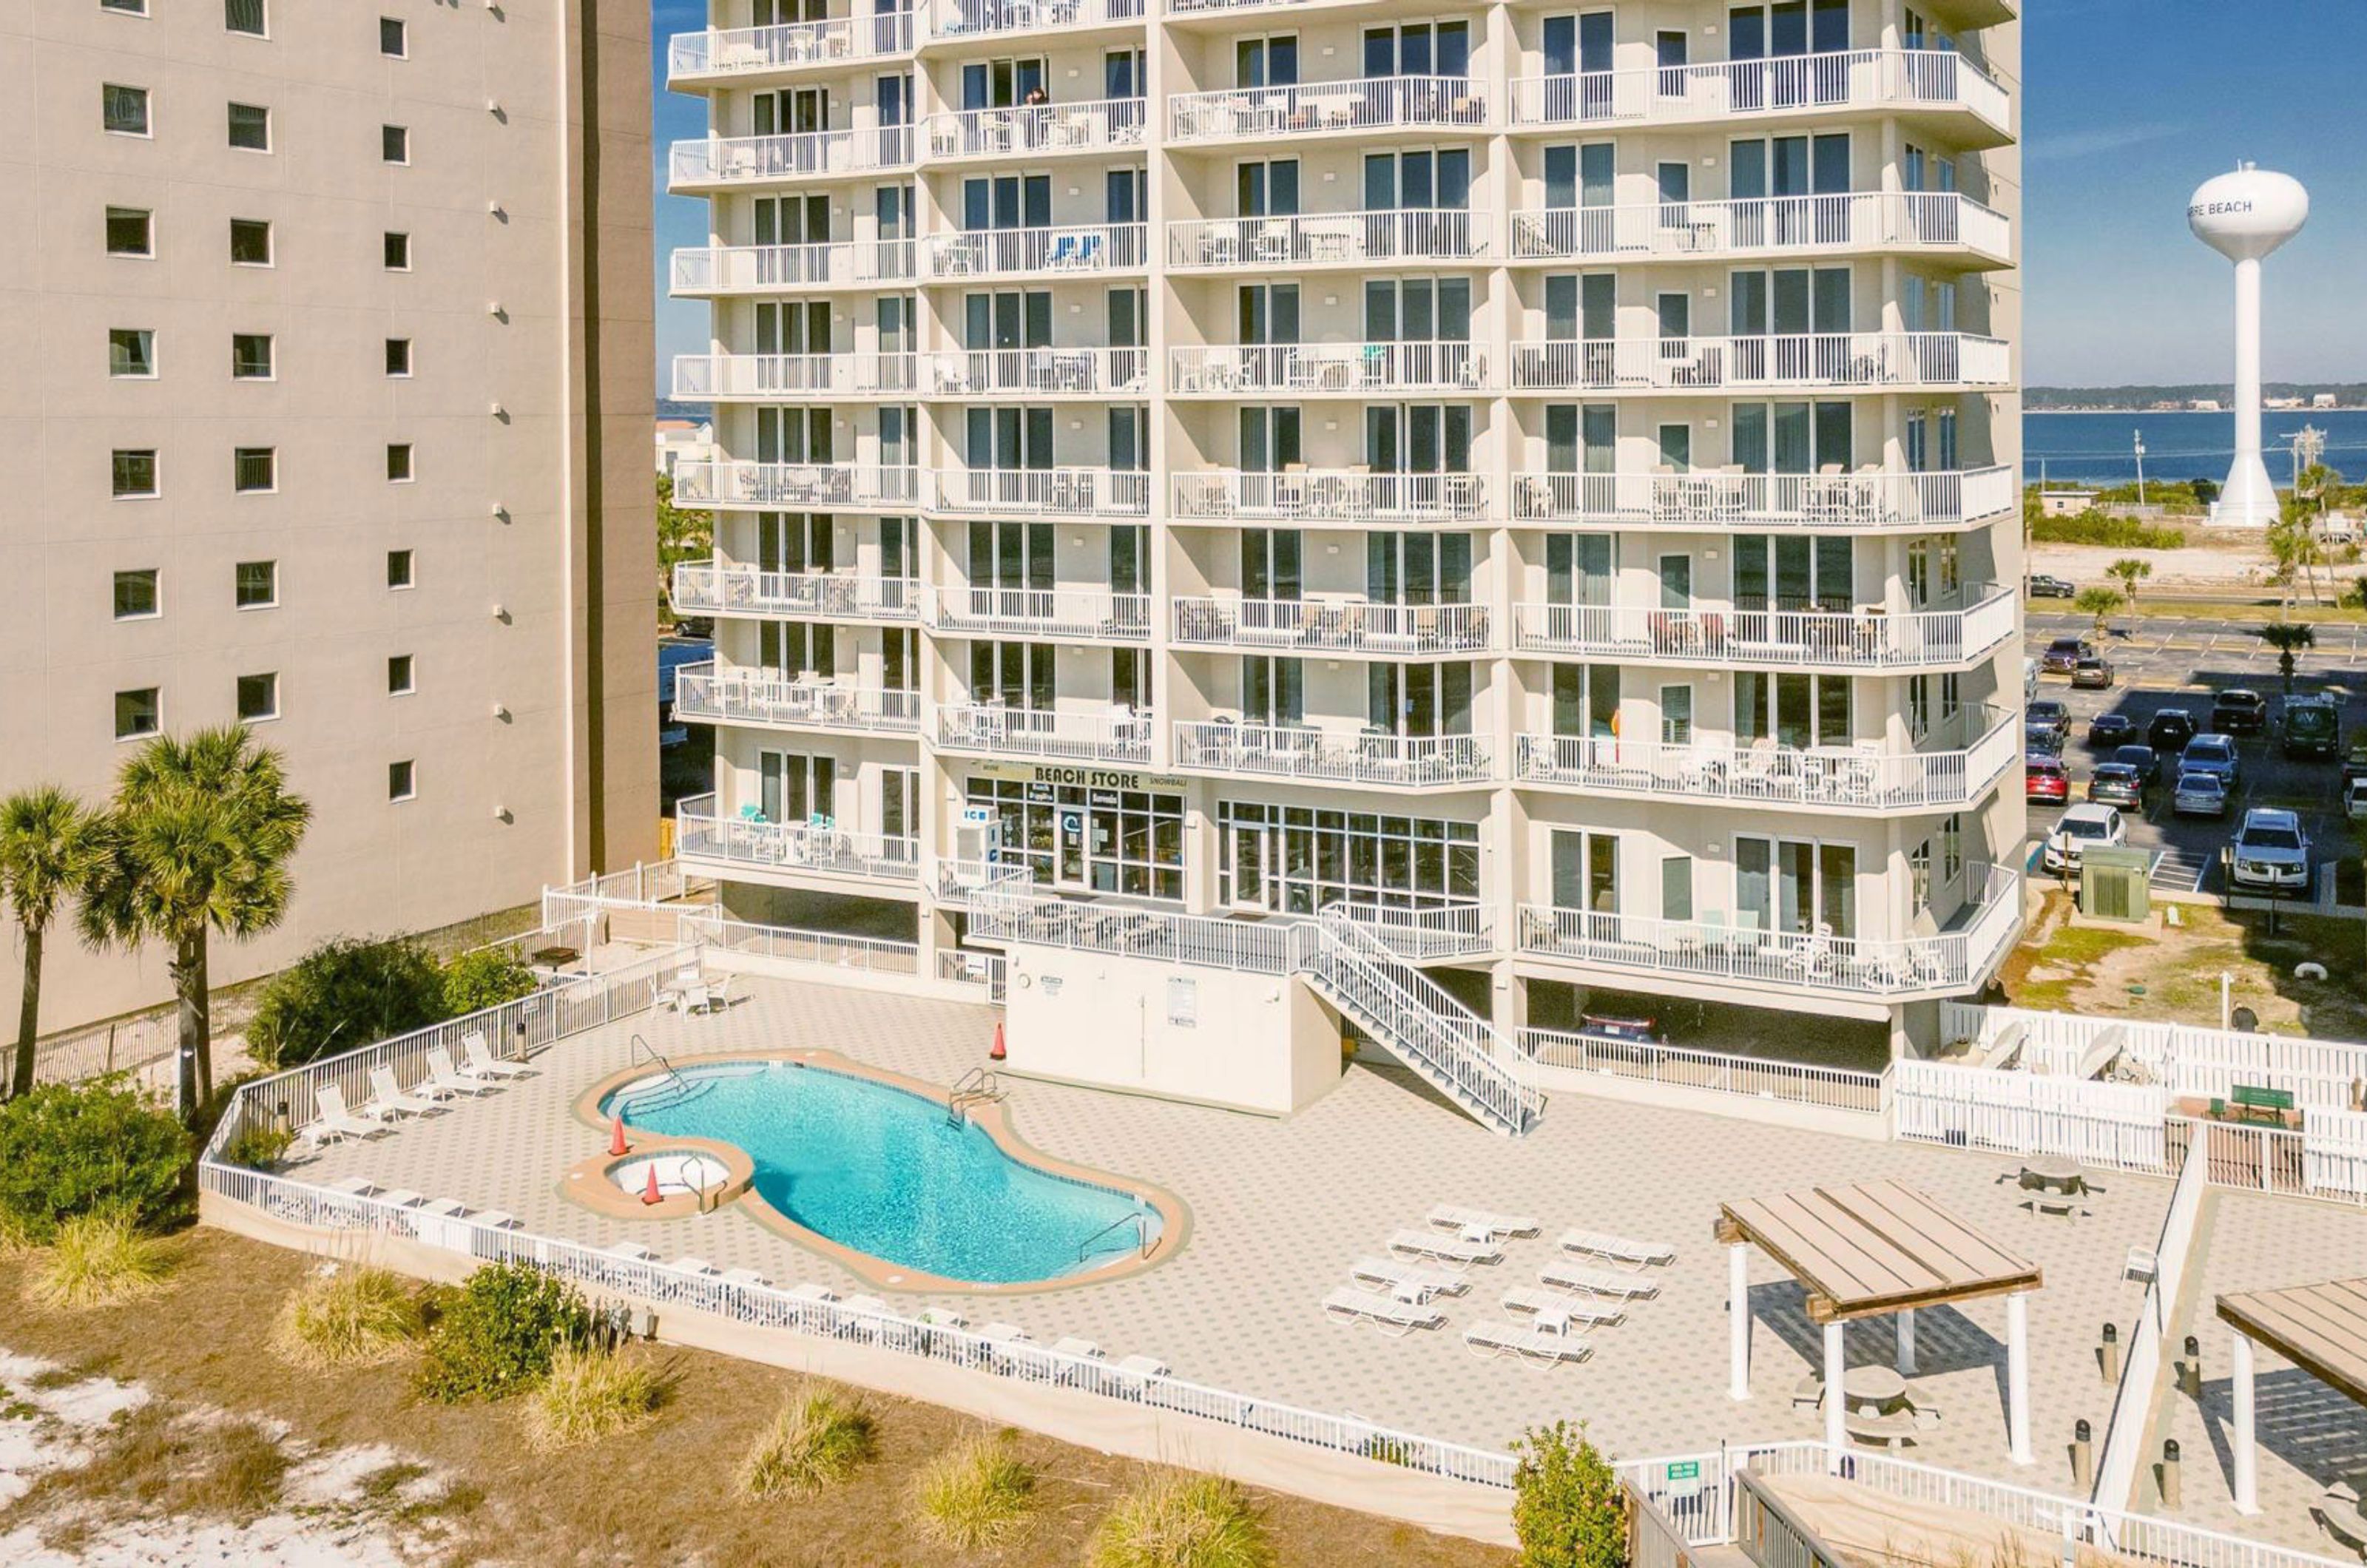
(2081, 828)
(2270, 852)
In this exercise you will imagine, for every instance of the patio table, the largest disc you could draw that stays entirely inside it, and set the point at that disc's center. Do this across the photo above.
(1875, 1388)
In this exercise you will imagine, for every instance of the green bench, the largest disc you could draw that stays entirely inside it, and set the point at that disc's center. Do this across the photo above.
(2246, 1101)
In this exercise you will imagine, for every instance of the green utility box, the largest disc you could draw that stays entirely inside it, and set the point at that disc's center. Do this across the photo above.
(2116, 885)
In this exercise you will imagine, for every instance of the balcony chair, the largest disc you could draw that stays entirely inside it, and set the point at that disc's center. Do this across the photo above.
(1088, 253)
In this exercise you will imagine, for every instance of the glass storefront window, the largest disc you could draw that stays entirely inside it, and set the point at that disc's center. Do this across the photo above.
(1305, 859)
(1089, 840)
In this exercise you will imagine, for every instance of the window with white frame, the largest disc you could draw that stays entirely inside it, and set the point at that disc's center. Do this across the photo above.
(256, 584)
(400, 568)
(401, 675)
(258, 697)
(395, 252)
(134, 471)
(393, 38)
(249, 357)
(402, 781)
(398, 356)
(137, 597)
(131, 351)
(123, 110)
(394, 144)
(397, 462)
(250, 242)
(255, 470)
(250, 128)
(248, 16)
(137, 714)
(130, 232)
(1952, 848)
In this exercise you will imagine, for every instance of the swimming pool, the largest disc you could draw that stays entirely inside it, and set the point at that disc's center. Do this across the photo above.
(885, 1171)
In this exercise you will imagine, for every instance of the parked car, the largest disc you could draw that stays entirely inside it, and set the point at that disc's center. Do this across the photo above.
(2145, 759)
(2354, 762)
(2092, 674)
(2313, 727)
(2048, 714)
(2354, 798)
(2212, 754)
(1621, 1030)
(2045, 780)
(2063, 655)
(2170, 731)
(2110, 729)
(2199, 794)
(2238, 710)
(2043, 587)
(2272, 853)
(2117, 783)
(2080, 829)
(2042, 740)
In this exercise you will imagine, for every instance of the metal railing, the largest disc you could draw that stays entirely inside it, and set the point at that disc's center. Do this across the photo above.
(966, 966)
(973, 19)
(1013, 910)
(1641, 363)
(1002, 731)
(762, 269)
(1453, 931)
(1371, 103)
(1037, 372)
(1332, 626)
(1348, 369)
(721, 694)
(1323, 496)
(1714, 1072)
(1045, 492)
(796, 486)
(1926, 79)
(1850, 221)
(1033, 129)
(705, 378)
(805, 154)
(1097, 613)
(1863, 638)
(1394, 234)
(1827, 503)
(748, 50)
(1305, 752)
(797, 847)
(726, 587)
(1035, 252)
(791, 944)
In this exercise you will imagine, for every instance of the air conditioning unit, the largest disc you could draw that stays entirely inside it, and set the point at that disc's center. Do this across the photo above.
(2116, 885)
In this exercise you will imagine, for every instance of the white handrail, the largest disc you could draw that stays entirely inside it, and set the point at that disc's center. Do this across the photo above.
(1867, 638)
(1320, 495)
(1641, 363)
(1791, 83)
(1757, 1078)
(805, 154)
(699, 377)
(972, 18)
(798, 486)
(1349, 369)
(1041, 612)
(799, 847)
(723, 587)
(743, 50)
(1022, 129)
(1038, 372)
(1370, 102)
(1055, 493)
(1848, 220)
(995, 253)
(1823, 502)
(1346, 238)
(998, 730)
(759, 270)
(1305, 752)
(756, 696)
(1343, 625)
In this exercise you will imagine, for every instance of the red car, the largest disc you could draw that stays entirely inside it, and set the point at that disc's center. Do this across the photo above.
(2045, 781)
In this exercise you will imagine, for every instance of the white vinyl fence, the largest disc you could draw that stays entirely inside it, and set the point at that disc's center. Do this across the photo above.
(2125, 1434)
(2120, 1126)
(2184, 1059)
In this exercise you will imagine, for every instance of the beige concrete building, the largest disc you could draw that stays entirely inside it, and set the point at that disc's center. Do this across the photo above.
(1543, 480)
(324, 392)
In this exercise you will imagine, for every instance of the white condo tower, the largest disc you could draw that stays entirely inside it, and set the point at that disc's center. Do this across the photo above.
(2245, 216)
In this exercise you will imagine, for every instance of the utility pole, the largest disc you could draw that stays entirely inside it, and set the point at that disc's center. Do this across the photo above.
(2140, 445)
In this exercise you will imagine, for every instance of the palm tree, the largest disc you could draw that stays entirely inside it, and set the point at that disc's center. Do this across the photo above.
(2130, 570)
(51, 844)
(2099, 601)
(2289, 638)
(198, 840)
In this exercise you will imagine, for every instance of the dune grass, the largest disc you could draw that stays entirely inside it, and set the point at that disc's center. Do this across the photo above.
(97, 1260)
(817, 1440)
(1173, 1520)
(354, 1316)
(592, 1394)
(975, 1497)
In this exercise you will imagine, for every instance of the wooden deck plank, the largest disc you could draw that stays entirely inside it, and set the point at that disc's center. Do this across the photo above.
(1864, 1249)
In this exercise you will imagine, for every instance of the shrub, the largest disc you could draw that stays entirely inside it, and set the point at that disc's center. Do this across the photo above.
(345, 993)
(485, 979)
(975, 1497)
(69, 1149)
(1180, 1521)
(355, 1317)
(97, 1260)
(1567, 1508)
(817, 1439)
(2116, 533)
(260, 1146)
(591, 1394)
(498, 1333)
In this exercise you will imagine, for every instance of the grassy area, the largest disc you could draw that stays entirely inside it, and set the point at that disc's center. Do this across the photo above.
(2265, 607)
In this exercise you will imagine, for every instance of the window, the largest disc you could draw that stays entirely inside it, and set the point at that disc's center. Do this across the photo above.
(397, 462)
(254, 469)
(1952, 848)
(402, 781)
(130, 351)
(245, 16)
(135, 472)
(394, 144)
(128, 7)
(250, 243)
(123, 110)
(135, 594)
(136, 715)
(130, 232)
(258, 697)
(249, 357)
(402, 676)
(250, 127)
(1297, 859)
(397, 252)
(393, 38)
(398, 567)
(257, 584)
(398, 356)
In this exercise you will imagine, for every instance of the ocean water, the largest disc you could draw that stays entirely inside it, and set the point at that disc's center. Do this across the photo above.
(2095, 448)
(885, 1173)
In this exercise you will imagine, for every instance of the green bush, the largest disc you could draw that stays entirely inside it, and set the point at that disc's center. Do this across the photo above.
(344, 994)
(88, 1148)
(498, 1333)
(2118, 533)
(259, 1148)
(1567, 1508)
(485, 979)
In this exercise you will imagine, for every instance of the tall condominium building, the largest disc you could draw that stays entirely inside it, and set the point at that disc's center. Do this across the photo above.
(1543, 479)
(324, 408)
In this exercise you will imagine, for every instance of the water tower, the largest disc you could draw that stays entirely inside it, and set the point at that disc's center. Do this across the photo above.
(2245, 216)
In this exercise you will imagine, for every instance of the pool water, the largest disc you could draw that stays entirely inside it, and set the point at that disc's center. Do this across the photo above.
(887, 1173)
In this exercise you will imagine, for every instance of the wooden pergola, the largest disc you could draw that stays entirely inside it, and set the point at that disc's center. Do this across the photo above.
(1876, 1250)
(2321, 1328)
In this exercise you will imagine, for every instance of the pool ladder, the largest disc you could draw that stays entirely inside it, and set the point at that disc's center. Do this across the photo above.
(1141, 1236)
(675, 1095)
(977, 1087)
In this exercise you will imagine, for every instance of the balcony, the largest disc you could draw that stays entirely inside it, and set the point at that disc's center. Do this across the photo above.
(1328, 625)
(1915, 222)
(1302, 751)
(994, 730)
(1035, 130)
(1336, 369)
(1328, 497)
(1301, 241)
(1085, 249)
(1932, 84)
(1038, 373)
(954, 21)
(730, 847)
(1085, 615)
(729, 377)
(1788, 362)
(1944, 962)
(1041, 492)
(1360, 107)
(728, 162)
(730, 587)
(721, 695)
(740, 56)
(1870, 500)
(1955, 766)
(1835, 640)
(706, 272)
(798, 487)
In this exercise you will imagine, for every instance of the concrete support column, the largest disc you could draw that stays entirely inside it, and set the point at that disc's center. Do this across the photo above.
(2017, 1375)
(1836, 1403)
(1737, 1319)
(2246, 1446)
(1907, 1342)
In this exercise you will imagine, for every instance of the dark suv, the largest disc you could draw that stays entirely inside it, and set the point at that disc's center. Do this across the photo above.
(2063, 655)
(2170, 731)
(2237, 711)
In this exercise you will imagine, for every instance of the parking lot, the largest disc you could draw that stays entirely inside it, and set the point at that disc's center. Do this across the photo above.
(2179, 663)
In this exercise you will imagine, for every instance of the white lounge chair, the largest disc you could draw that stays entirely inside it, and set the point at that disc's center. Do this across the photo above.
(1071, 1346)
(334, 1121)
(1597, 1283)
(812, 1294)
(1535, 1346)
(1452, 1250)
(690, 999)
(494, 1219)
(695, 1266)
(1487, 1225)
(443, 1075)
(1006, 1333)
(941, 1317)
(632, 1251)
(354, 1185)
(387, 1100)
(401, 1198)
(871, 1305)
(484, 1064)
(744, 1277)
(1621, 1250)
(1390, 1316)
(1543, 1304)
(1144, 1367)
(1409, 1281)
(719, 995)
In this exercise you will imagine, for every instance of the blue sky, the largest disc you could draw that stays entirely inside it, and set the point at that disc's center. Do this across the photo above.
(2128, 105)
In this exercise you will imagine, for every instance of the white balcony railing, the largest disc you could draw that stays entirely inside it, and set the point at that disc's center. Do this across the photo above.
(1955, 766)
(1869, 498)
(1079, 248)
(751, 51)
(748, 841)
(1855, 220)
(1098, 613)
(809, 155)
(1037, 372)
(1856, 640)
(1000, 731)
(1303, 752)
(1795, 360)
(1042, 492)
(973, 18)
(705, 378)
(1329, 625)
(1439, 235)
(1373, 103)
(763, 269)
(1321, 496)
(796, 486)
(1454, 930)
(1864, 78)
(1034, 130)
(725, 588)
(1348, 369)
(722, 694)
(1736, 948)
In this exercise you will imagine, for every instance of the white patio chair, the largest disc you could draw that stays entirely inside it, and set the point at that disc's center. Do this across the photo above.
(442, 1075)
(1389, 1315)
(388, 1099)
(1538, 1302)
(1489, 1226)
(1535, 1346)
(333, 1121)
(1452, 1251)
(1597, 1283)
(1625, 1251)
(483, 1063)
(1408, 1281)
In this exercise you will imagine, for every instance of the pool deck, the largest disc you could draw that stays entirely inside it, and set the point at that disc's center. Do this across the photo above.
(1280, 1208)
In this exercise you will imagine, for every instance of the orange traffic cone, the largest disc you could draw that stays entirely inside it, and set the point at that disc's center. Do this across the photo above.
(649, 1193)
(616, 1144)
(995, 1052)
